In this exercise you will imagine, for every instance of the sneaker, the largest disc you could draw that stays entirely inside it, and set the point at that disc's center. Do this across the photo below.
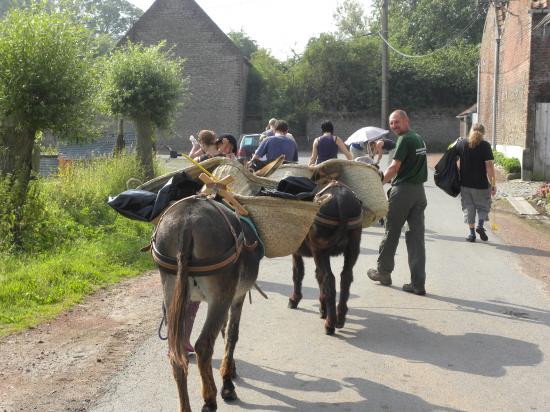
(383, 278)
(408, 287)
(482, 234)
(471, 238)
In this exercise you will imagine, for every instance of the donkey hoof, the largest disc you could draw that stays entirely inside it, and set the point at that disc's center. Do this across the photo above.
(212, 407)
(229, 394)
(323, 314)
(292, 304)
(228, 391)
(340, 322)
(329, 330)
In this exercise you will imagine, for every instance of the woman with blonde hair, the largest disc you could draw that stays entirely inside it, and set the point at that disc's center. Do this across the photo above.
(477, 180)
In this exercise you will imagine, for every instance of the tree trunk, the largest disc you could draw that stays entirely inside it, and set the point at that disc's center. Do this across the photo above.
(119, 147)
(144, 147)
(16, 149)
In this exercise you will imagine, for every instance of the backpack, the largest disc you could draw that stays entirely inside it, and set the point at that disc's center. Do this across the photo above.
(447, 176)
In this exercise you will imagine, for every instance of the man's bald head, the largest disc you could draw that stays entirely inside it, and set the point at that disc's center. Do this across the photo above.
(399, 122)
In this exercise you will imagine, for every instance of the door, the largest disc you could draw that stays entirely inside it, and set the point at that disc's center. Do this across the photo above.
(541, 167)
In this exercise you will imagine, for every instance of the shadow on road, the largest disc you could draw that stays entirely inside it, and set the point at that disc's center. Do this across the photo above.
(286, 290)
(474, 353)
(374, 396)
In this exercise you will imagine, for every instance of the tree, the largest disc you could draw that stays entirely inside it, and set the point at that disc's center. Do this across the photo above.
(147, 85)
(350, 19)
(425, 25)
(246, 45)
(111, 17)
(47, 83)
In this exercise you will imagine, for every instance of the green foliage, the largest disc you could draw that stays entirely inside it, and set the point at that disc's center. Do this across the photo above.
(71, 241)
(350, 19)
(145, 82)
(48, 79)
(246, 45)
(424, 25)
(509, 164)
(112, 17)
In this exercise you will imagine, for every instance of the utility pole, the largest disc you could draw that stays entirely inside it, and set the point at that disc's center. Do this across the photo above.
(385, 67)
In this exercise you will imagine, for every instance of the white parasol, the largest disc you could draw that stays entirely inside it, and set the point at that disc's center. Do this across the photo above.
(366, 134)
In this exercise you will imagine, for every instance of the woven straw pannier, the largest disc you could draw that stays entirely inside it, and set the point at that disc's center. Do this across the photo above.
(244, 182)
(281, 223)
(193, 171)
(363, 179)
(292, 170)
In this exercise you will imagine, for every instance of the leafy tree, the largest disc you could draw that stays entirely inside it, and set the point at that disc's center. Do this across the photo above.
(147, 85)
(425, 25)
(112, 17)
(47, 83)
(273, 84)
(246, 45)
(350, 18)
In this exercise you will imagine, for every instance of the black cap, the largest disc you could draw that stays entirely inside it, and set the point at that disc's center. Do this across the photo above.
(231, 139)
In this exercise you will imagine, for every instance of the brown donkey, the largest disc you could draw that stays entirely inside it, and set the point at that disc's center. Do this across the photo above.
(337, 229)
(217, 261)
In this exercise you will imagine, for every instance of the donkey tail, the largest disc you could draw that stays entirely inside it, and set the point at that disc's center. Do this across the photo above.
(180, 299)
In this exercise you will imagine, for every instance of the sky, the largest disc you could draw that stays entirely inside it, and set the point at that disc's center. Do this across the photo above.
(282, 26)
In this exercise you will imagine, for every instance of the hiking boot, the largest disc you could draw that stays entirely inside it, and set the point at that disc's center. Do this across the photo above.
(482, 234)
(471, 238)
(408, 287)
(383, 278)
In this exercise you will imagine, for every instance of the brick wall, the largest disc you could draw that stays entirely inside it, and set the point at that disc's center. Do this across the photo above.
(514, 75)
(216, 68)
(486, 71)
(438, 126)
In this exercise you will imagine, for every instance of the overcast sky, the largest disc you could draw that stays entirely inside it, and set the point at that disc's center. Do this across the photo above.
(280, 25)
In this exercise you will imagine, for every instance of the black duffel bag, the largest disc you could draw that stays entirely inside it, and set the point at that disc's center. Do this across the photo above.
(447, 175)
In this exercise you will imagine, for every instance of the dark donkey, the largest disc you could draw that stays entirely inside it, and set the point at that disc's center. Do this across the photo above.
(217, 262)
(337, 229)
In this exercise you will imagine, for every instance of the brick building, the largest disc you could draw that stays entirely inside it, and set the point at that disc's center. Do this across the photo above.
(523, 83)
(216, 68)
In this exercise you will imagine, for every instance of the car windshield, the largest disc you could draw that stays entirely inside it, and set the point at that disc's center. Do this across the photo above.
(248, 141)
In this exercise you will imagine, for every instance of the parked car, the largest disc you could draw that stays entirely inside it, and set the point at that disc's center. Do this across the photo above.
(247, 146)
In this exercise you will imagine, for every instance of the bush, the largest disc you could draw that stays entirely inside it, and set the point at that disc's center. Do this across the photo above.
(509, 164)
(71, 241)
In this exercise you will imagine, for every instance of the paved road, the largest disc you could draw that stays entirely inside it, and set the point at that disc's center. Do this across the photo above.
(479, 341)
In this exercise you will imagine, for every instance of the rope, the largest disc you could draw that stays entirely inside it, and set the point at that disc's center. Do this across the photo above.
(162, 322)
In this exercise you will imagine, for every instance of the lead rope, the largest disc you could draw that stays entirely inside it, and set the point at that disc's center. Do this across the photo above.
(162, 321)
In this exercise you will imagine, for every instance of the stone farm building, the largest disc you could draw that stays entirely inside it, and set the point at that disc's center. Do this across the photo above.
(216, 68)
(523, 83)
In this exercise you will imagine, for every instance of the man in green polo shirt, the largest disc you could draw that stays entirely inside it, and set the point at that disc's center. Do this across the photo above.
(407, 202)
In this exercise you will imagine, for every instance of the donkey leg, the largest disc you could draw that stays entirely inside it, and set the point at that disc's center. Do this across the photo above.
(180, 375)
(297, 278)
(328, 289)
(227, 369)
(322, 298)
(346, 277)
(204, 348)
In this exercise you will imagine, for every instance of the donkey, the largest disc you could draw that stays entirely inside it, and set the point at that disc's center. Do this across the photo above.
(337, 229)
(217, 261)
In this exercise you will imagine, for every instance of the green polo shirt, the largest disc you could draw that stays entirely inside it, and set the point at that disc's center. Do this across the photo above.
(410, 150)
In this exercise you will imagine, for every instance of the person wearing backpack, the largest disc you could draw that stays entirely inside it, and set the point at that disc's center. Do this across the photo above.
(477, 180)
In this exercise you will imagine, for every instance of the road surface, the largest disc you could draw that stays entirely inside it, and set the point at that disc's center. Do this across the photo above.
(478, 341)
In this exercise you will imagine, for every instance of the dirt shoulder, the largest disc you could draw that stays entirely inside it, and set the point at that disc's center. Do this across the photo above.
(528, 240)
(64, 364)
